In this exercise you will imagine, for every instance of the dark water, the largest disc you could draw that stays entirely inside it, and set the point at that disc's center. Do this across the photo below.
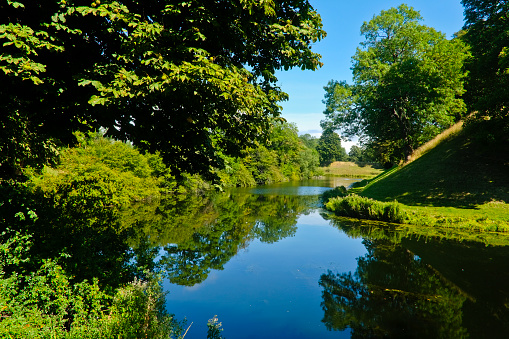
(271, 264)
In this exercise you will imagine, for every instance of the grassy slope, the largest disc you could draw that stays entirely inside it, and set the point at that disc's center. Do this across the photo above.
(460, 181)
(455, 173)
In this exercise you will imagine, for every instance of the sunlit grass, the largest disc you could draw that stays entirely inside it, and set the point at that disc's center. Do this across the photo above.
(352, 169)
(451, 131)
(489, 217)
(452, 184)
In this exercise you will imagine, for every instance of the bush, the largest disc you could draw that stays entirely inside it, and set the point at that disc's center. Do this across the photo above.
(48, 303)
(355, 206)
(102, 172)
(138, 311)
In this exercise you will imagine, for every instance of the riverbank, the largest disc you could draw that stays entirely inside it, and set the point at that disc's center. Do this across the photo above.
(459, 183)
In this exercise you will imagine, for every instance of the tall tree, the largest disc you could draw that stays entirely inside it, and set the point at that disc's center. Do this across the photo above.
(487, 33)
(184, 78)
(407, 81)
(329, 148)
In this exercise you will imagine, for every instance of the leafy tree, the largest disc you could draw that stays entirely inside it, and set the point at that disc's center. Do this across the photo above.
(407, 81)
(185, 78)
(309, 141)
(363, 153)
(355, 153)
(296, 160)
(486, 32)
(329, 148)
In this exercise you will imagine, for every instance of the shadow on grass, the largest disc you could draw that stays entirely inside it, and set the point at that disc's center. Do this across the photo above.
(457, 173)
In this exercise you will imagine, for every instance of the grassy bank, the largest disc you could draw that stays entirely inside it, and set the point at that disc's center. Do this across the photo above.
(453, 182)
(352, 169)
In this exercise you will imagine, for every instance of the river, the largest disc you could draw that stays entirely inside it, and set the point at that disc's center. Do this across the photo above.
(270, 263)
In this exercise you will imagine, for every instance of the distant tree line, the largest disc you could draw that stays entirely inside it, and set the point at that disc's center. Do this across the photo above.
(329, 149)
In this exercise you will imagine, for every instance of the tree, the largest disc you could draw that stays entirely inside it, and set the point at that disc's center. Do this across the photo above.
(185, 78)
(407, 81)
(329, 148)
(486, 32)
(309, 141)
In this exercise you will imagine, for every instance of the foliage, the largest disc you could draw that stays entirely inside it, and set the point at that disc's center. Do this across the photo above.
(309, 141)
(138, 311)
(214, 328)
(408, 78)
(364, 208)
(329, 148)
(181, 78)
(361, 154)
(102, 171)
(48, 303)
(283, 158)
(486, 32)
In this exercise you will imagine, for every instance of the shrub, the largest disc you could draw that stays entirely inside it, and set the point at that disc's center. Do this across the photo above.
(355, 206)
(138, 311)
(48, 303)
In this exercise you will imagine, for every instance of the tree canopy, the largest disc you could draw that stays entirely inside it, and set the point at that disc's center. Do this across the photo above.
(407, 81)
(488, 81)
(184, 78)
(329, 148)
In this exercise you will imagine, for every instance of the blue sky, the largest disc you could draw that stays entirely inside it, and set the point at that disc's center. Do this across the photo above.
(342, 20)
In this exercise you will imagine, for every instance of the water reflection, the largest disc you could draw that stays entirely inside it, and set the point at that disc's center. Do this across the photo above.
(397, 283)
(204, 233)
(392, 294)
(414, 286)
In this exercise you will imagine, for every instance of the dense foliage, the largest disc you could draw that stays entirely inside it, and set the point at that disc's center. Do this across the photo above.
(361, 154)
(329, 148)
(407, 79)
(81, 270)
(183, 78)
(486, 32)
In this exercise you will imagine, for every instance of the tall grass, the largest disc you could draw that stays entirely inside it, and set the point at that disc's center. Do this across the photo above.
(355, 206)
(451, 131)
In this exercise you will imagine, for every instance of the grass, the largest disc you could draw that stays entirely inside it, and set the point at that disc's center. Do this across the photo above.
(447, 134)
(352, 169)
(452, 182)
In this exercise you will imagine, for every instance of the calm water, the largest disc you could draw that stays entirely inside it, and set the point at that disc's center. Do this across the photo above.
(271, 264)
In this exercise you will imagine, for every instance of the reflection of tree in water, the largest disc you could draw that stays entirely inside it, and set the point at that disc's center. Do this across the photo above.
(196, 240)
(391, 294)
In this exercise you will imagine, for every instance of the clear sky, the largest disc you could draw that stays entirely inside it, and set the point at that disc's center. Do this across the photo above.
(342, 20)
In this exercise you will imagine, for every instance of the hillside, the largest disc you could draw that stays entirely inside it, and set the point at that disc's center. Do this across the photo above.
(459, 172)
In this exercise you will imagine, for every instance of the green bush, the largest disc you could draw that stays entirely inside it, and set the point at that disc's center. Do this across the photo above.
(138, 311)
(48, 304)
(355, 206)
(102, 171)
